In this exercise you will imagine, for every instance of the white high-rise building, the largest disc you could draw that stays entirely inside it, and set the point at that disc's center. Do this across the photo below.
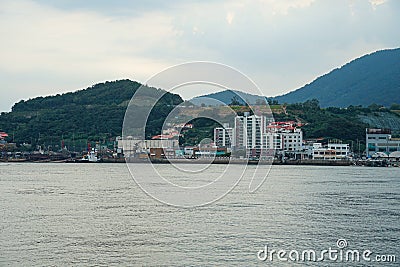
(273, 141)
(223, 136)
(249, 133)
(259, 137)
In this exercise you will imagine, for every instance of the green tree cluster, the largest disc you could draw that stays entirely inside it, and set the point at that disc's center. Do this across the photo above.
(92, 114)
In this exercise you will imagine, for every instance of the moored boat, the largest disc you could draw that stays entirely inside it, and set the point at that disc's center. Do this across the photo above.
(90, 157)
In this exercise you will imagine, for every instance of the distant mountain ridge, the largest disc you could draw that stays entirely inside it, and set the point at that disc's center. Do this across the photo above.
(373, 78)
(226, 98)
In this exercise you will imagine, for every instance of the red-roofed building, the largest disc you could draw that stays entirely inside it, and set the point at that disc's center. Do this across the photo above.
(284, 135)
(255, 133)
(3, 135)
(163, 136)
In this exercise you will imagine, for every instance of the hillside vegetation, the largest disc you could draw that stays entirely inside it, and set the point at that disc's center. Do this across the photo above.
(93, 114)
(345, 124)
(97, 113)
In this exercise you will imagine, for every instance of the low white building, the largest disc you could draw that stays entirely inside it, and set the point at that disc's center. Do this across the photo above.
(292, 140)
(284, 136)
(189, 151)
(380, 140)
(331, 151)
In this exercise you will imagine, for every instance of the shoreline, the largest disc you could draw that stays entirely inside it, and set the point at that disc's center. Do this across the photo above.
(192, 161)
(223, 161)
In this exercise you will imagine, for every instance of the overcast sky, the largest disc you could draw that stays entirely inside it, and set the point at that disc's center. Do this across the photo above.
(50, 46)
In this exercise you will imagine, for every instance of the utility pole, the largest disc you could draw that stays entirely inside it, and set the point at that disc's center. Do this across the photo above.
(39, 142)
(352, 145)
(73, 141)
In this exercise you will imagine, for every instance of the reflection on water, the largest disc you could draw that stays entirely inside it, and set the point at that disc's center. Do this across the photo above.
(61, 214)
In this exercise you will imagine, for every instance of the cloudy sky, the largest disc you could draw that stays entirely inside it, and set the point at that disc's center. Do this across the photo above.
(54, 46)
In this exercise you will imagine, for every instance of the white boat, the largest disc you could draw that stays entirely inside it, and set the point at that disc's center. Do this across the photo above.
(91, 156)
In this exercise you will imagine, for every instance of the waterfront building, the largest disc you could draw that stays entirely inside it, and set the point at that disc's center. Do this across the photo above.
(257, 136)
(284, 136)
(380, 140)
(132, 146)
(209, 152)
(189, 151)
(331, 151)
(223, 136)
(274, 140)
(161, 153)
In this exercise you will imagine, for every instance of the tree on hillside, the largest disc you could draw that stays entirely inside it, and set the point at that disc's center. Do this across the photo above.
(272, 102)
(312, 104)
(395, 106)
(235, 101)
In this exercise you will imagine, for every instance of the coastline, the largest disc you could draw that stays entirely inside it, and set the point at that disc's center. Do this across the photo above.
(196, 161)
(223, 161)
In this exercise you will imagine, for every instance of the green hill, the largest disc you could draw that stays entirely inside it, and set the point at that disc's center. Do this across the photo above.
(97, 113)
(373, 78)
(92, 114)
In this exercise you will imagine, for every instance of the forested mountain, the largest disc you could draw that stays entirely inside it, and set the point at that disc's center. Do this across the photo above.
(373, 78)
(92, 114)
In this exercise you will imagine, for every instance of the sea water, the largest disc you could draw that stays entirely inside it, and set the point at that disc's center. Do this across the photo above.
(95, 214)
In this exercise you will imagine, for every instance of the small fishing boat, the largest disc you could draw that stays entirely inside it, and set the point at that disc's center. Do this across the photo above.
(90, 157)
